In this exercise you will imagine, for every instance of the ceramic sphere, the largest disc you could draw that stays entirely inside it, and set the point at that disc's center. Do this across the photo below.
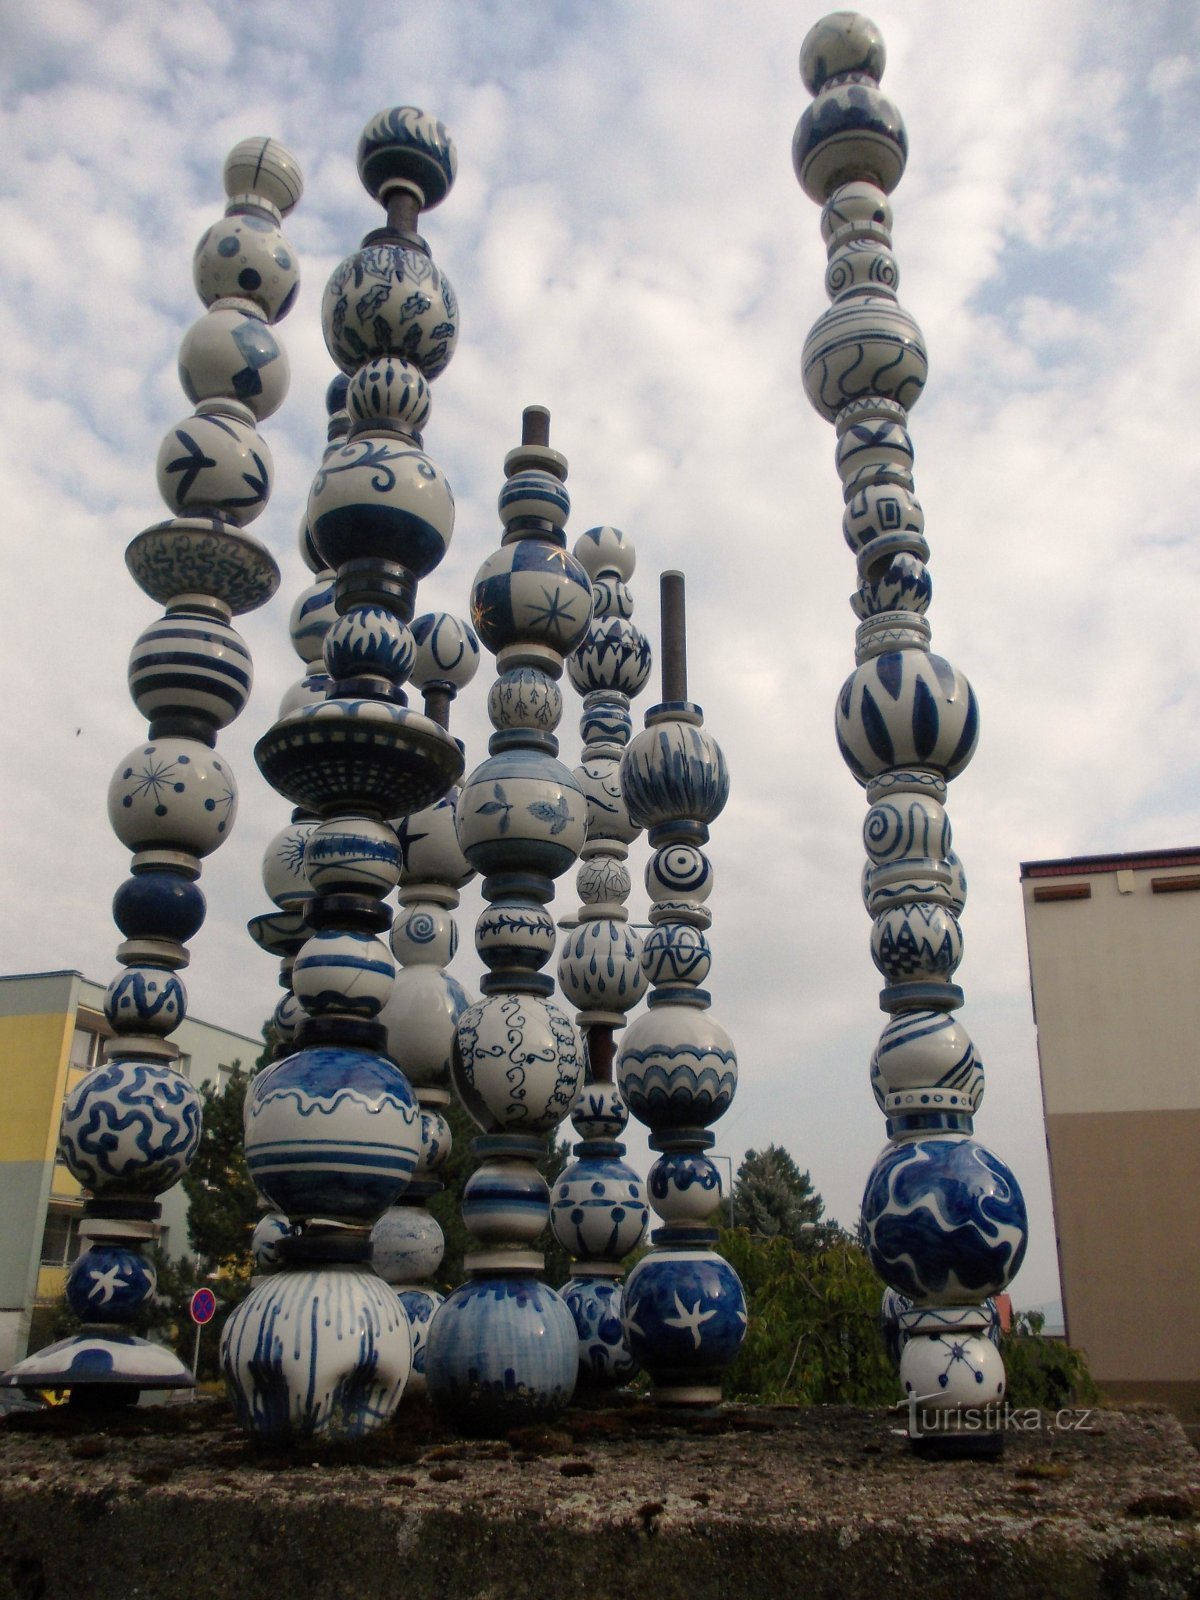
(320, 1353)
(343, 972)
(217, 464)
(392, 390)
(227, 353)
(602, 880)
(378, 498)
(265, 169)
(533, 495)
(145, 999)
(675, 952)
(684, 1187)
(421, 1017)
(429, 847)
(677, 1068)
(902, 584)
(368, 639)
(917, 942)
(352, 855)
(685, 1318)
(406, 146)
(424, 934)
(906, 708)
(313, 613)
(269, 1230)
(517, 1064)
(522, 811)
(332, 1132)
(283, 874)
(674, 770)
(190, 663)
(246, 257)
(525, 697)
(515, 936)
(596, 1305)
(437, 1141)
(600, 967)
(531, 593)
(906, 827)
(615, 655)
(288, 1018)
(947, 1371)
(863, 345)
(599, 1112)
(130, 1127)
(598, 1209)
(420, 1304)
(842, 42)
(886, 515)
(173, 794)
(679, 872)
(599, 777)
(925, 1060)
(159, 904)
(407, 1245)
(605, 718)
(851, 131)
(606, 550)
(447, 651)
(945, 1220)
(506, 1202)
(387, 300)
(110, 1283)
(502, 1352)
(872, 435)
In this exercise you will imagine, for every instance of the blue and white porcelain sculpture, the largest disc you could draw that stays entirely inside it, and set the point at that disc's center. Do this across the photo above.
(599, 1211)
(945, 1220)
(684, 1311)
(131, 1127)
(323, 1348)
(502, 1349)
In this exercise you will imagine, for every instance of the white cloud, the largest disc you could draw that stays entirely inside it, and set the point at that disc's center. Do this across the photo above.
(630, 247)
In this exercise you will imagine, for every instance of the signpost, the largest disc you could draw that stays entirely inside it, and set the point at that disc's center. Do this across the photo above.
(203, 1308)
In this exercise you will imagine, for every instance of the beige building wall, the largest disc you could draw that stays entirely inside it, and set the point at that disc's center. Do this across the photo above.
(1114, 958)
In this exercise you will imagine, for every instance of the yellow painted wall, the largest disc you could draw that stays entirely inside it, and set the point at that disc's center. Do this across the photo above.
(33, 1066)
(51, 1282)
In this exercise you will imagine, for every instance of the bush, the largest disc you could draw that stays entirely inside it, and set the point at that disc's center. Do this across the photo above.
(813, 1334)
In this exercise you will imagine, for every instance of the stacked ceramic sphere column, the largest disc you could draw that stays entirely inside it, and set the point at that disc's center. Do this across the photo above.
(131, 1127)
(426, 1001)
(944, 1216)
(684, 1313)
(333, 1131)
(599, 1211)
(503, 1348)
(284, 932)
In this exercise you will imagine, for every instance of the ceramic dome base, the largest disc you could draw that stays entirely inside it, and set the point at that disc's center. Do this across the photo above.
(95, 1361)
(203, 555)
(380, 755)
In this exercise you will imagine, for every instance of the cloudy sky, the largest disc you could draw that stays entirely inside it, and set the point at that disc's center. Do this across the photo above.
(630, 248)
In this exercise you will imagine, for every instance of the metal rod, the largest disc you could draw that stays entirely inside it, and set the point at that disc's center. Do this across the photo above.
(674, 636)
(535, 425)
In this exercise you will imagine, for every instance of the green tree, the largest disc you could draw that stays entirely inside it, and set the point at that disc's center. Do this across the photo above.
(813, 1332)
(772, 1198)
(222, 1200)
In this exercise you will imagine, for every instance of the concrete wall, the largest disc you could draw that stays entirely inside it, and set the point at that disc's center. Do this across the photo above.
(1114, 954)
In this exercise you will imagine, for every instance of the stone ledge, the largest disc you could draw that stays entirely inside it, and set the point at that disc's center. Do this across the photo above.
(625, 1502)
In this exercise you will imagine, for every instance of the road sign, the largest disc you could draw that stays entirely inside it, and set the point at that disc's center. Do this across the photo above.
(203, 1306)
